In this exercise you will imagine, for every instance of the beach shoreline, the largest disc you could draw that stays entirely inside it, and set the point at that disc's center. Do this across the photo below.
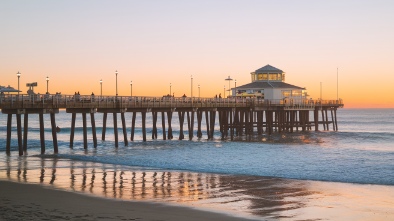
(21, 201)
(51, 188)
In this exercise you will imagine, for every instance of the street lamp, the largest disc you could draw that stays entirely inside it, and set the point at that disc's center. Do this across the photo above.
(170, 89)
(191, 87)
(224, 91)
(131, 88)
(116, 73)
(229, 80)
(235, 88)
(198, 91)
(19, 75)
(101, 87)
(47, 79)
(321, 91)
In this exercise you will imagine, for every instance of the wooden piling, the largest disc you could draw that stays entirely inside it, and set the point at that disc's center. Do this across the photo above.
(93, 123)
(133, 125)
(190, 123)
(143, 114)
(104, 126)
(212, 126)
(25, 127)
(207, 124)
(42, 132)
(231, 125)
(85, 133)
(9, 121)
(169, 119)
(181, 116)
(124, 129)
(154, 122)
(54, 133)
(336, 122)
(163, 124)
(72, 131)
(19, 133)
(115, 119)
(316, 119)
(199, 119)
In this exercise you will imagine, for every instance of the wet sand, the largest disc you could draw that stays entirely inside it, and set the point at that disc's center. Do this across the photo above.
(34, 202)
(50, 188)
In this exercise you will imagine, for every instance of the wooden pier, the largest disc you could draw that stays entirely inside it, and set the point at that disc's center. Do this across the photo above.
(237, 116)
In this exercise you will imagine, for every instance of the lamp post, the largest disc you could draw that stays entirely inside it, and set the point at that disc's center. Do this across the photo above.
(224, 91)
(47, 79)
(170, 89)
(19, 75)
(191, 87)
(116, 73)
(321, 91)
(337, 84)
(101, 87)
(235, 92)
(131, 88)
(198, 91)
(229, 80)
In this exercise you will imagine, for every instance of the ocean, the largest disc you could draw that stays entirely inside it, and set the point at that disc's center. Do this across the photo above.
(361, 153)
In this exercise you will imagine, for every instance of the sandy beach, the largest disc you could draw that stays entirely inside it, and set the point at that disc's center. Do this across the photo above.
(35, 188)
(34, 202)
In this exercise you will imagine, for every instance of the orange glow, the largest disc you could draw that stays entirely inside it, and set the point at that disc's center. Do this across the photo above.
(154, 48)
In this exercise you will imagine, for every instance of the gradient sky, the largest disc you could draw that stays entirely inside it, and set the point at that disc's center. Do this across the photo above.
(155, 43)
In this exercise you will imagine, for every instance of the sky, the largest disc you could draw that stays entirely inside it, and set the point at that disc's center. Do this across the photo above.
(157, 43)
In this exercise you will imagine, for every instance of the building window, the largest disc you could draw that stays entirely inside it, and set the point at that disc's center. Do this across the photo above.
(297, 93)
(286, 93)
(273, 77)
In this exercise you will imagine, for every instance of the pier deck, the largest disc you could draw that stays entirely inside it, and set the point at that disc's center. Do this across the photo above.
(237, 116)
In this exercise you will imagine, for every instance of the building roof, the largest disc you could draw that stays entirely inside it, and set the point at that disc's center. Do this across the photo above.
(268, 84)
(268, 68)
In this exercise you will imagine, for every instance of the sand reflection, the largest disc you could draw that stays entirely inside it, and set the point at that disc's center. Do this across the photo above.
(240, 195)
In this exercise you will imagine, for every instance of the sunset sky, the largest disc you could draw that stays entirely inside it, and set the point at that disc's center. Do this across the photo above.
(155, 43)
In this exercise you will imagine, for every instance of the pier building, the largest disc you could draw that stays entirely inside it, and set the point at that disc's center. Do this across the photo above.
(268, 82)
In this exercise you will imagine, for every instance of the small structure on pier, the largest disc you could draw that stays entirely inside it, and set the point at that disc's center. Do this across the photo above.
(268, 83)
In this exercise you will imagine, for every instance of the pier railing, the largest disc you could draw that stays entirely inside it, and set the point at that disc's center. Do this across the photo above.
(91, 101)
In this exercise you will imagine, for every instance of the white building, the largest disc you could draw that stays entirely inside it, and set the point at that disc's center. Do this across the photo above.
(268, 83)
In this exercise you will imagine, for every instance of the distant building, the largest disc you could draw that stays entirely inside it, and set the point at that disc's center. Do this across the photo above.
(268, 83)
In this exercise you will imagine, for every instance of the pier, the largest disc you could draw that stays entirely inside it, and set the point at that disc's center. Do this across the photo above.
(237, 116)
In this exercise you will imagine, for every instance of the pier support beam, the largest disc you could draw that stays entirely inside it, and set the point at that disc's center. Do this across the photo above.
(9, 124)
(25, 127)
(143, 126)
(115, 119)
(19, 132)
(169, 119)
(316, 119)
(199, 119)
(207, 124)
(85, 133)
(104, 125)
(93, 122)
(163, 124)
(154, 122)
(72, 131)
(132, 125)
(54, 133)
(124, 129)
(181, 116)
(42, 132)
